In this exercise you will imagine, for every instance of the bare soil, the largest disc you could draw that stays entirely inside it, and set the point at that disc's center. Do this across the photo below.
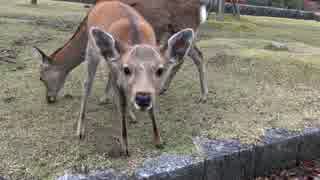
(307, 170)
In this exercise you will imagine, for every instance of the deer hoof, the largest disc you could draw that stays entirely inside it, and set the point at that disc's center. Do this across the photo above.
(125, 153)
(202, 99)
(159, 144)
(124, 150)
(81, 134)
(103, 100)
(116, 150)
(163, 91)
(133, 119)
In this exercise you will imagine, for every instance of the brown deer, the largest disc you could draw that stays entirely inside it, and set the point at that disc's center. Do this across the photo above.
(166, 17)
(120, 36)
(55, 68)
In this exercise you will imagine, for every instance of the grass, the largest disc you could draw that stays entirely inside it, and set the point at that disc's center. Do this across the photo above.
(251, 89)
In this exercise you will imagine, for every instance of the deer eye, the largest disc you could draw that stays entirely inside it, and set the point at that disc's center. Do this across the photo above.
(127, 71)
(159, 72)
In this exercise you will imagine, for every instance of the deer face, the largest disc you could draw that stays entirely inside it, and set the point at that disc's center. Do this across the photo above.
(139, 69)
(52, 76)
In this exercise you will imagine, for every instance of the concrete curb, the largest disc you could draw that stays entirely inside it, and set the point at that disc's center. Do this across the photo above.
(273, 12)
(225, 159)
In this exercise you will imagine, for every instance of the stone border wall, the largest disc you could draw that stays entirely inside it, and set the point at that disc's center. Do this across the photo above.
(224, 159)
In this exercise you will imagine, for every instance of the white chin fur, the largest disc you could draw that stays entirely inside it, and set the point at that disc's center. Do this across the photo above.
(139, 108)
(149, 107)
(203, 14)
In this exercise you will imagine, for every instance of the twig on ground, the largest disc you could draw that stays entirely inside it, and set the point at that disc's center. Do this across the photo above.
(7, 61)
(6, 55)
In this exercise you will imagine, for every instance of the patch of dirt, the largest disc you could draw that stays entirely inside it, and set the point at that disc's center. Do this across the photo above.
(9, 99)
(307, 170)
(31, 40)
(58, 24)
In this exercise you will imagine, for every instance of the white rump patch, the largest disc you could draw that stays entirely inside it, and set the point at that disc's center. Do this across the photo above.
(203, 14)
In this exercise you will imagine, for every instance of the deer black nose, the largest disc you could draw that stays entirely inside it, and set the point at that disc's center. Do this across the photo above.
(143, 99)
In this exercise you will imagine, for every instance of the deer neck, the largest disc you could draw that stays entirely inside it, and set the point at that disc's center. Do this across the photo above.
(73, 52)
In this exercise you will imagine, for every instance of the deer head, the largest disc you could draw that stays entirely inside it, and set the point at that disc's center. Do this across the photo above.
(139, 69)
(51, 75)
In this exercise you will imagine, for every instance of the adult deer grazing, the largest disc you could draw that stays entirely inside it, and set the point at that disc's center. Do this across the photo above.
(120, 36)
(55, 68)
(166, 17)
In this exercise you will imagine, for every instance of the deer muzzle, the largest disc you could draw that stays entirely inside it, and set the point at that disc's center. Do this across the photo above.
(143, 101)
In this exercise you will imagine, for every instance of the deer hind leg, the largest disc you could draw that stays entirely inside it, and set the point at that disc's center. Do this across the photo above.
(92, 63)
(108, 91)
(197, 57)
(132, 116)
(172, 71)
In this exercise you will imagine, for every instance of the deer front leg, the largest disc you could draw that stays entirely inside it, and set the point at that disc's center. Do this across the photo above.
(156, 134)
(92, 68)
(197, 58)
(124, 131)
(122, 107)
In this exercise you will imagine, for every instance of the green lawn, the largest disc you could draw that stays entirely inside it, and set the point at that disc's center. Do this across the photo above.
(251, 88)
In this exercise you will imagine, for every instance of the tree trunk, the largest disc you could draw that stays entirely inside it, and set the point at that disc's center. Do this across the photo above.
(281, 4)
(34, 2)
(301, 4)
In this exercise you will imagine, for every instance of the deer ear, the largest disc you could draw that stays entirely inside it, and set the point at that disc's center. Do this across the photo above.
(105, 43)
(45, 59)
(179, 44)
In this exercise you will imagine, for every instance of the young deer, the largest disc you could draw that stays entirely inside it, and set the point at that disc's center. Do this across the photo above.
(126, 41)
(166, 17)
(170, 16)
